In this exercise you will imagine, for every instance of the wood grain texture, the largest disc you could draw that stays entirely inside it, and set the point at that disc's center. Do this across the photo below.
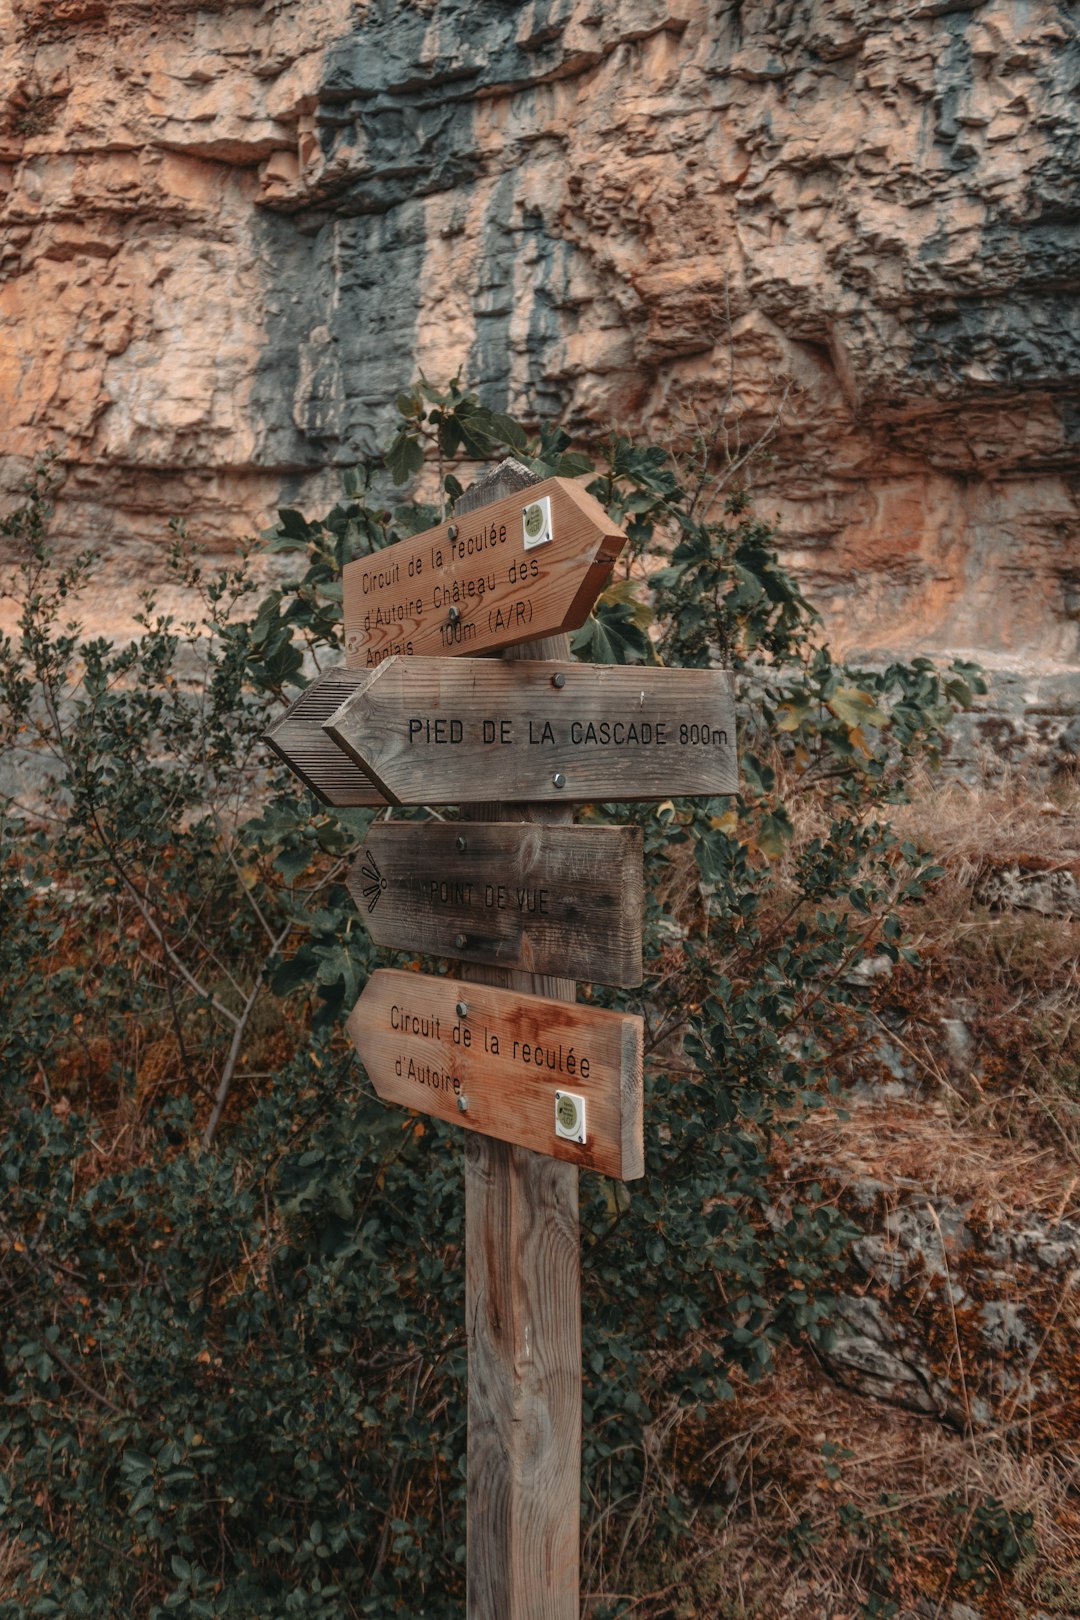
(524, 1330)
(428, 730)
(299, 739)
(547, 899)
(523, 1320)
(497, 1067)
(481, 586)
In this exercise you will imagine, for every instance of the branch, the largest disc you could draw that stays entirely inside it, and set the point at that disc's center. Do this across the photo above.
(187, 976)
(73, 1372)
(233, 1058)
(254, 904)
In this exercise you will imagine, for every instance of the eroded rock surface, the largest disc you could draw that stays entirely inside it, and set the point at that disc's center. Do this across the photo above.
(959, 1303)
(230, 232)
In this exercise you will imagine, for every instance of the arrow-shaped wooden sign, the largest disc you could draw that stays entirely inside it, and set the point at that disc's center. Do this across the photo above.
(526, 566)
(299, 739)
(450, 731)
(563, 900)
(548, 1075)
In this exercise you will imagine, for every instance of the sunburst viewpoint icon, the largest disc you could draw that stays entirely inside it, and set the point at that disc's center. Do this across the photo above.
(374, 882)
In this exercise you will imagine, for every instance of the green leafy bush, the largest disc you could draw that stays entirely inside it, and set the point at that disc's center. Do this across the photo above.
(231, 1280)
(993, 1539)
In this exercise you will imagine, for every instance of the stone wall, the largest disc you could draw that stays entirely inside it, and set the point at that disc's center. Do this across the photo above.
(231, 232)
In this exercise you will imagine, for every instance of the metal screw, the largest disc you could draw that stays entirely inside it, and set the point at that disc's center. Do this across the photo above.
(559, 679)
(463, 1105)
(454, 615)
(462, 1006)
(462, 845)
(451, 533)
(559, 779)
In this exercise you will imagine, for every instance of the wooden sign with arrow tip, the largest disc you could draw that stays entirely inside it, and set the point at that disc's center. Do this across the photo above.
(564, 900)
(431, 730)
(529, 565)
(561, 1079)
(298, 738)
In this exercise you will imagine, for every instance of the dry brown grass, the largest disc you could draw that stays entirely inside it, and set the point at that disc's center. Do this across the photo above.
(12, 1560)
(1011, 978)
(968, 826)
(934, 1149)
(991, 1128)
(799, 1479)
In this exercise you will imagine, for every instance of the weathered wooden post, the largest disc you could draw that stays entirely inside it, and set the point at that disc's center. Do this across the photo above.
(523, 1323)
(542, 1086)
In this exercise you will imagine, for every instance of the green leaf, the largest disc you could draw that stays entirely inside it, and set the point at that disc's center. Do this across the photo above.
(856, 708)
(775, 832)
(509, 431)
(574, 465)
(291, 526)
(298, 972)
(794, 712)
(613, 635)
(404, 458)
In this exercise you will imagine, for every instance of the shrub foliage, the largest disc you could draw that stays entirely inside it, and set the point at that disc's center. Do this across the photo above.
(233, 1356)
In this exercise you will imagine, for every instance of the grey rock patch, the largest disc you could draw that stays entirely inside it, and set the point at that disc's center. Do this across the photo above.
(958, 1042)
(869, 970)
(882, 1350)
(1053, 892)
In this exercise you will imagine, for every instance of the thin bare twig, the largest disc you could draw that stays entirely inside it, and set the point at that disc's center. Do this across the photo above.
(225, 1084)
(73, 1373)
(144, 910)
(249, 897)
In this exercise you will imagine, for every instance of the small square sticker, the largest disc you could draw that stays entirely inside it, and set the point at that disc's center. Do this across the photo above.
(570, 1116)
(536, 523)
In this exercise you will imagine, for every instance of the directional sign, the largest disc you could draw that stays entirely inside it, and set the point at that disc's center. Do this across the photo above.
(565, 900)
(299, 739)
(548, 1075)
(527, 566)
(448, 731)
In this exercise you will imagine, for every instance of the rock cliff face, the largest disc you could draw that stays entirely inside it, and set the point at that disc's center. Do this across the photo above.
(231, 232)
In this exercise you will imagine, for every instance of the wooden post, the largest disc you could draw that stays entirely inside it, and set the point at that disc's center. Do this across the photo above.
(523, 1313)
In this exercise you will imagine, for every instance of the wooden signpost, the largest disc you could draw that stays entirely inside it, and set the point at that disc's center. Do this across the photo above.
(542, 1086)
(559, 1079)
(427, 730)
(549, 899)
(509, 572)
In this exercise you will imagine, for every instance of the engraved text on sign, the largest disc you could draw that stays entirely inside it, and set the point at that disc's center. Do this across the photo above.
(492, 1061)
(430, 730)
(527, 566)
(565, 900)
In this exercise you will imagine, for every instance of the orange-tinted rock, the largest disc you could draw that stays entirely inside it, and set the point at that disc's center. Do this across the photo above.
(231, 233)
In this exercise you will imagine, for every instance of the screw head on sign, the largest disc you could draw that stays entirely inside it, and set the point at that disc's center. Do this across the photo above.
(559, 779)
(454, 615)
(451, 533)
(462, 845)
(460, 940)
(463, 1105)
(462, 1008)
(558, 679)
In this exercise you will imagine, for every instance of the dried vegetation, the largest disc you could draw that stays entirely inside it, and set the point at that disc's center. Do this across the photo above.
(960, 1105)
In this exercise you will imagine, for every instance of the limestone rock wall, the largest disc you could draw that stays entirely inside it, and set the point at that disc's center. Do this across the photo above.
(231, 232)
